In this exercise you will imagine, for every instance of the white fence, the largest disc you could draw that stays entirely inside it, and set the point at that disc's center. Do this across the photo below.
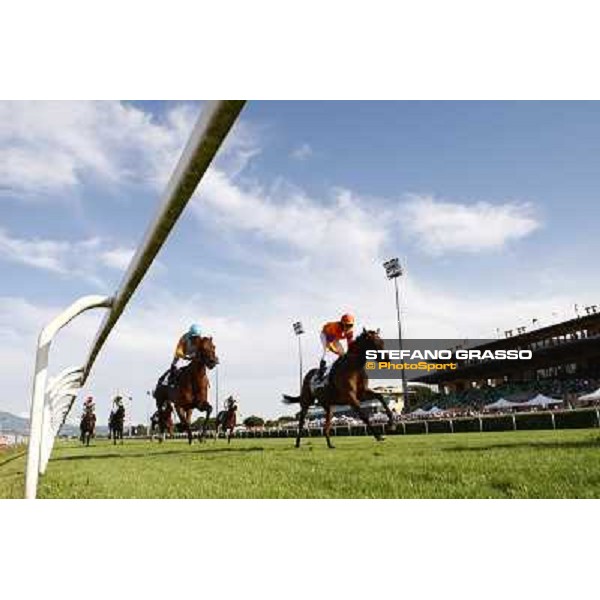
(52, 400)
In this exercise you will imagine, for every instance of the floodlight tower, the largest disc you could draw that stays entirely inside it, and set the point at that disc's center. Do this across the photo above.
(299, 330)
(394, 270)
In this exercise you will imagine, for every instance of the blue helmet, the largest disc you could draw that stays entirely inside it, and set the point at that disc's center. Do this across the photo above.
(195, 331)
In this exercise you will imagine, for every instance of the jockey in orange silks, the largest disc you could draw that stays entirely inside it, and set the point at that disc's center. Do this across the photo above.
(331, 336)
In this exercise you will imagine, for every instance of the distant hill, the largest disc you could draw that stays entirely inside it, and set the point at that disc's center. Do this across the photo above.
(10, 423)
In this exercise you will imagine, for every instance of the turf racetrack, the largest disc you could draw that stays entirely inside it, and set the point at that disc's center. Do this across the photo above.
(522, 464)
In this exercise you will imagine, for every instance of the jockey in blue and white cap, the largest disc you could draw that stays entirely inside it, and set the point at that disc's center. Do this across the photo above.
(186, 350)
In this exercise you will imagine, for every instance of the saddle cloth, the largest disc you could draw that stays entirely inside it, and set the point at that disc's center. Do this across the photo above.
(317, 384)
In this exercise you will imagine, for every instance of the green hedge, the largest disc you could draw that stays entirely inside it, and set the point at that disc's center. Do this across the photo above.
(379, 428)
(465, 425)
(576, 419)
(498, 423)
(570, 419)
(441, 426)
(415, 427)
(540, 420)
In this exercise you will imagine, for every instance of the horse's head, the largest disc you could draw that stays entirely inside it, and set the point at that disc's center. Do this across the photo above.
(369, 340)
(207, 352)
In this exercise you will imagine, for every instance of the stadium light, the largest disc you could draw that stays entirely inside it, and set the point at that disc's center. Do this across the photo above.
(299, 330)
(393, 270)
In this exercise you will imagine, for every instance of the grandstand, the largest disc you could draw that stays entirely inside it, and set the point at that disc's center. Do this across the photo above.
(565, 363)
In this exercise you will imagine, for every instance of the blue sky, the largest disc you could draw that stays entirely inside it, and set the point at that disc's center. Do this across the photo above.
(492, 205)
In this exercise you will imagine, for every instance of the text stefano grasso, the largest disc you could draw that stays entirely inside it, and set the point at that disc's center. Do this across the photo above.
(448, 354)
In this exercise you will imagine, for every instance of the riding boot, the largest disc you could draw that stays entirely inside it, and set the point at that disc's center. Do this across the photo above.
(172, 374)
(321, 372)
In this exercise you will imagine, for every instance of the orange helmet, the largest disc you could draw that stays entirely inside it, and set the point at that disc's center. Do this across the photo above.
(347, 319)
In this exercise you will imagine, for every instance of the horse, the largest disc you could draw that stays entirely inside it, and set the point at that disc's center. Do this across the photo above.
(181, 391)
(347, 385)
(87, 427)
(115, 424)
(162, 420)
(226, 419)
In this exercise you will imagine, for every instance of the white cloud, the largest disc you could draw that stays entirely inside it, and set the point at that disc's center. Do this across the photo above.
(287, 215)
(52, 146)
(438, 226)
(43, 254)
(118, 258)
(302, 152)
(70, 259)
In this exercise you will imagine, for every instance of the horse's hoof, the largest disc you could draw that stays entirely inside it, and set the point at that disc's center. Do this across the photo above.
(331, 447)
(380, 438)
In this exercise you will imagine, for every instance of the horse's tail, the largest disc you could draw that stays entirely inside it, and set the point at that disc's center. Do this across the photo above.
(291, 399)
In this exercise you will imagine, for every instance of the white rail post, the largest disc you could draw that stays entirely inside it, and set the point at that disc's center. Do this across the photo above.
(57, 396)
(38, 395)
(55, 389)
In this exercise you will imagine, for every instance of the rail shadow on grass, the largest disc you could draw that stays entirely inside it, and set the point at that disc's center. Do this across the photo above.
(8, 460)
(594, 443)
(151, 454)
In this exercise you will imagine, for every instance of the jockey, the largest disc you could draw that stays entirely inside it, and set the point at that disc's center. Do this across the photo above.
(186, 350)
(88, 405)
(331, 336)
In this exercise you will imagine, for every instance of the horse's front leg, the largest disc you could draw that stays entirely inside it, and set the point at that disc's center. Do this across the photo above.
(371, 395)
(327, 427)
(180, 414)
(355, 404)
(303, 411)
(205, 424)
(188, 423)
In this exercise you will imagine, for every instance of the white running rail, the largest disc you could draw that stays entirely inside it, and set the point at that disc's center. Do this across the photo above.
(52, 400)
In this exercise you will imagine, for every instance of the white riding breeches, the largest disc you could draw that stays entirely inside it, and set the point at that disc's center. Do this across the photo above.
(337, 344)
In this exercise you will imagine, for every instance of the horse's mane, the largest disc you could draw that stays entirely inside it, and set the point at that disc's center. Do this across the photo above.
(359, 339)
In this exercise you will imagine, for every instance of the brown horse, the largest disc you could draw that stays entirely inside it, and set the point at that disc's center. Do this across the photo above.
(162, 420)
(190, 389)
(87, 427)
(116, 422)
(226, 419)
(347, 385)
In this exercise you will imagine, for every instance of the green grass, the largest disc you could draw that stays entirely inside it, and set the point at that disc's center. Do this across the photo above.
(522, 464)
